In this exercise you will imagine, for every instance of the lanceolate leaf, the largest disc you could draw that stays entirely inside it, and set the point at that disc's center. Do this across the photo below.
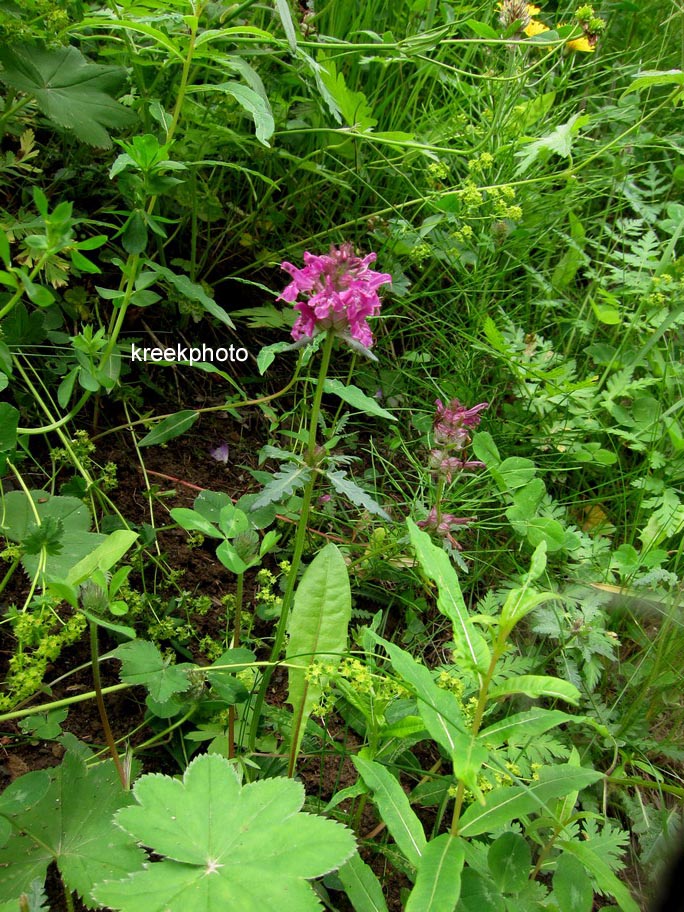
(355, 397)
(395, 808)
(362, 886)
(72, 92)
(317, 629)
(71, 825)
(604, 878)
(438, 883)
(226, 846)
(437, 566)
(524, 726)
(508, 803)
(537, 686)
(170, 427)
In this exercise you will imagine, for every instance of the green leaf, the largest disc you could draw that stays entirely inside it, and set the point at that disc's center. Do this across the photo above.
(25, 792)
(437, 566)
(438, 883)
(267, 354)
(509, 859)
(537, 686)
(72, 92)
(606, 881)
(439, 709)
(524, 726)
(226, 846)
(317, 630)
(71, 825)
(482, 30)
(344, 485)
(479, 893)
(193, 521)
(572, 889)
(256, 105)
(9, 421)
(508, 803)
(68, 514)
(110, 552)
(394, 807)
(193, 291)
(353, 106)
(286, 18)
(559, 142)
(650, 78)
(362, 886)
(284, 482)
(355, 397)
(170, 427)
(573, 258)
(142, 663)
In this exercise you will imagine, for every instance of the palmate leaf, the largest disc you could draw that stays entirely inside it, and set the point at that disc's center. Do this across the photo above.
(70, 90)
(142, 663)
(72, 825)
(226, 846)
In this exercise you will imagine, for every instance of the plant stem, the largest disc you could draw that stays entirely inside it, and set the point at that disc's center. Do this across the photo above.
(109, 737)
(300, 537)
(234, 645)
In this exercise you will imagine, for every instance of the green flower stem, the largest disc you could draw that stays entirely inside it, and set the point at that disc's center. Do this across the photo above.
(109, 737)
(237, 621)
(475, 727)
(300, 538)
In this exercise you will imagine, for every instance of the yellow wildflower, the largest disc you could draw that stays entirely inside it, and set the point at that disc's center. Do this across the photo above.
(581, 44)
(535, 28)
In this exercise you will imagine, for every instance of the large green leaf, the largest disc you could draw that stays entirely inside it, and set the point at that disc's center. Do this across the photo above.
(395, 808)
(437, 566)
(72, 825)
(170, 427)
(438, 883)
(70, 90)
(537, 686)
(508, 803)
(317, 629)
(69, 520)
(226, 846)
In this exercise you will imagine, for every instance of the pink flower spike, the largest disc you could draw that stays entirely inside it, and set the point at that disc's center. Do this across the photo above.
(339, 293)
(453, 421)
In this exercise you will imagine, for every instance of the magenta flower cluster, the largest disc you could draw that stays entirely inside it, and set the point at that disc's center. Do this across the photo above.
(335, 291)
(453, 423)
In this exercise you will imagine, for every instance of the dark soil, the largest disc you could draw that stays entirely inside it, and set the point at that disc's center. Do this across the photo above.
(175, 473)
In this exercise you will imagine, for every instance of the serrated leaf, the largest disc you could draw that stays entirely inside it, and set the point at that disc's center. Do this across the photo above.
(170, 427)
(438, 883)
(502, 805)
(356, 397)
(317, 629)
(344, 485)
(70, 90)
(395, 808)
(353, 106)
(537, 686)
(227, 846)
(284, 482)
(143, 663)
(71, 825)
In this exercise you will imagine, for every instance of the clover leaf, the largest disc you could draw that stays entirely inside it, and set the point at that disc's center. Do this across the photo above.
(226, 846)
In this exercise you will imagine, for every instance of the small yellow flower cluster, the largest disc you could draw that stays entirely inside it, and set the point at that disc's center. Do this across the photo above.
(525, 13)
(265, 596)
(481, 163)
